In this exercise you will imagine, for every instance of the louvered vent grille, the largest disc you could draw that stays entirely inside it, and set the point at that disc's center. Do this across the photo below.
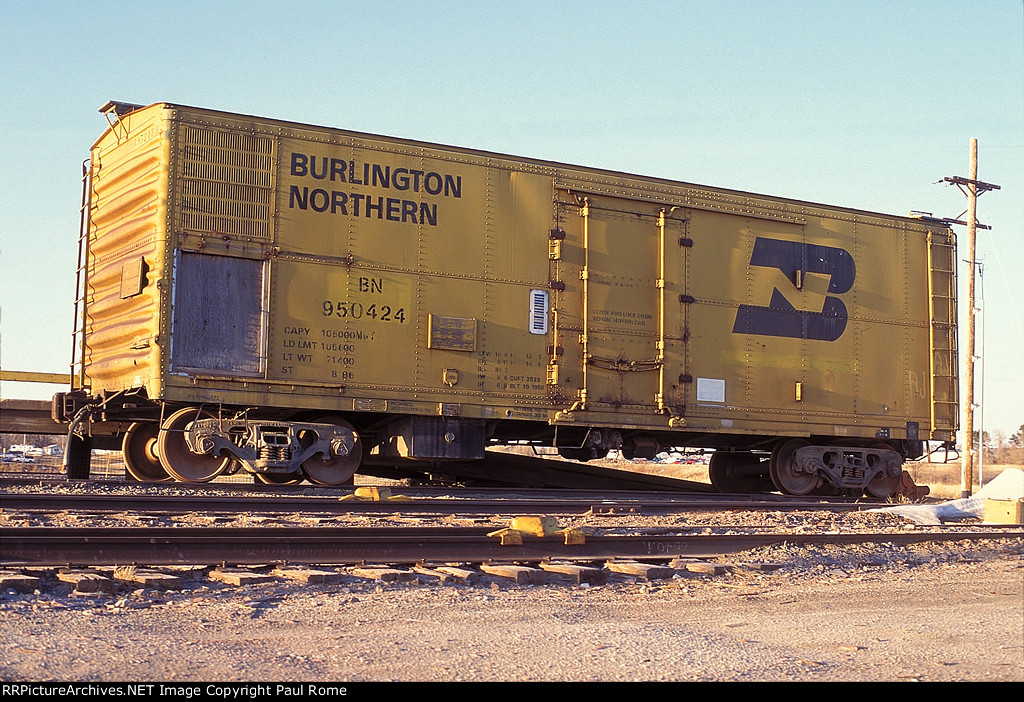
(226, 184)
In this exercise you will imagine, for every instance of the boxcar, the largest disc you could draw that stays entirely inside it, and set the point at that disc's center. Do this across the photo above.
(294, 300)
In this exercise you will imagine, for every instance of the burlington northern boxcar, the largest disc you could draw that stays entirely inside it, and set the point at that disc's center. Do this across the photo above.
(293, 300)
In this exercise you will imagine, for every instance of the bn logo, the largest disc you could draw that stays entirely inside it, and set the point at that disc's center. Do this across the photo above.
(780, 317)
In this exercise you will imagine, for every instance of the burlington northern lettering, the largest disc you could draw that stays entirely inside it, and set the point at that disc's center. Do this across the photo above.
(373, 175)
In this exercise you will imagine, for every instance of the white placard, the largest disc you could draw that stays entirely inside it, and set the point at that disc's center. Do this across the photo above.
(710, 390)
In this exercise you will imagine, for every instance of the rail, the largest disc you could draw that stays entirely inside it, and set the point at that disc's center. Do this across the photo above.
(419, 504)
(75, 546)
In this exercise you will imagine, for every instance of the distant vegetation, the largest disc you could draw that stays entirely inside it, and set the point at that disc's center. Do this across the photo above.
(1002, 449)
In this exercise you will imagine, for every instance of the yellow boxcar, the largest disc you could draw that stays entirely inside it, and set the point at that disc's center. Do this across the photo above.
(295, 299)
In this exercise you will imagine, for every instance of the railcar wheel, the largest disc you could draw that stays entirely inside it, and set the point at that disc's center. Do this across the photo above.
(882, 485)
(727, 473)
(783, 471)
(140, 456)
(333, 471)
(178, 459)
(280, 478)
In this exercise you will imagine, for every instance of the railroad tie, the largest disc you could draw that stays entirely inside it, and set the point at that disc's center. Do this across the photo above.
(86, 581)
(523, 575)
(706, 568)
(448, 574)
(147, 578)
(310, 576)
(384, 574)
(643, 570)
(239, 576)
(19, 582)
(582, 574)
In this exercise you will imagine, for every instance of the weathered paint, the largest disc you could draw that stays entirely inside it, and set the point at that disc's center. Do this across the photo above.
(368, 247)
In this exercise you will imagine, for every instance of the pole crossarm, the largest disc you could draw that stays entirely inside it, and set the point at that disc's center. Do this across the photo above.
(980, 186)
(962, 223)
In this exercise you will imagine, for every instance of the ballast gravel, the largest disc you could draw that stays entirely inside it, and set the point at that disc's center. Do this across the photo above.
(933, 611)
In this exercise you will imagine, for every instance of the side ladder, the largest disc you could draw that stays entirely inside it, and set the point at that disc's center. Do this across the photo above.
(942, 310)
(78, 338)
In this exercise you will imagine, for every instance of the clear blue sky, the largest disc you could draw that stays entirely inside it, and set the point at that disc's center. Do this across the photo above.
(861, 103)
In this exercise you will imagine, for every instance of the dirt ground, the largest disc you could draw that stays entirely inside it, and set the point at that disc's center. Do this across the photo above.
(931, 612)
(942, 622)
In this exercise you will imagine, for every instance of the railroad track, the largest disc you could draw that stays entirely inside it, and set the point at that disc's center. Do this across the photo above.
(92, 546)
(424, 503)
(25, 546)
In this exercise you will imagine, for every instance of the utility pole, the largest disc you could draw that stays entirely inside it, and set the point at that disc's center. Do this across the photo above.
(972, 188)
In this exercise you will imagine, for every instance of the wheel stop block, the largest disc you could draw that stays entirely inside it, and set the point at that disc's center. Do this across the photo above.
(375, 494)
(539, 527)
(536, 526)
(910, 490)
